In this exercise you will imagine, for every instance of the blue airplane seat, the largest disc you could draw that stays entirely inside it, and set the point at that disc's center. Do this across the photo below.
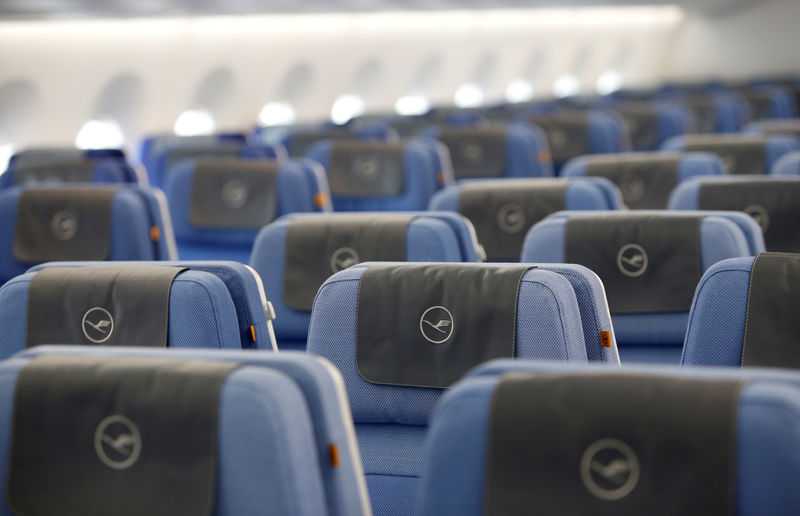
(299, 140)
(295, 254)
(377, 176)
(650, 124)
(376, 323)
(82, 223)
(153, 146)
(156, 435)
(502, 210)
(771, 127)
(645, 179)
(650, 263)
(218, 206)
(253, 310)
(67, 165)
(788, 165)
(324, 392)
(744, 314)
(495, 150)
(148, 304)
(574, 133)
(772, 201)
(742, 154)
(513, 435)
(769, 102)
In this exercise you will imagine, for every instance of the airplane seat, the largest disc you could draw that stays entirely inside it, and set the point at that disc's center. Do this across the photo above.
(772, 127)
(376, 323)
(82, 223)
(742, 154)
(153, 145)
(769, 102)
(67, 172)
(645, 179)
(744, 314)
(298, 141)
(788, 165)
(296, 254)
(218, 205)
(150, 304)
(254, 312)
(377, 176)
(574, 133)
(650, 124)
(772, 201)
(495, 150)
(502, 210)
(650, 263)
(172, 155)
(576, 440)
(165, 436)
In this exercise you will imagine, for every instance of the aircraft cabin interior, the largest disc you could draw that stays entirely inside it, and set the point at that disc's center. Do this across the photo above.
(399, 257)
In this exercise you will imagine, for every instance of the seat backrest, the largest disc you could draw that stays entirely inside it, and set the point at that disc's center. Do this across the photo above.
(124, 305)
(650, 263)
(377, 324)
(769, 102)
(253, 310)
(219, 205)
(297, 253)
(299, 141)
(574, 133)
(152, 146)
(652, 123)
(577, 440)
(377, 176)
(742, 154)
(745, 314)
(82, 223)
(770, 127)
(503, 210)
(646, 179)
(788, 165)
(67, 165)
(772, 201)
(166, 435)
(324, 391)
(173, 154)
(495, 151)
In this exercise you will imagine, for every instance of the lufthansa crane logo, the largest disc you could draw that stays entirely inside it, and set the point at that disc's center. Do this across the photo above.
(472, 152)
(632, 260)
(609, 469)
(632, 187)
(64, 225)
(343, 258)
(117, 442)
(760, 215)
(511, 218)
(234, 194)
(436, 324)
(97, 324)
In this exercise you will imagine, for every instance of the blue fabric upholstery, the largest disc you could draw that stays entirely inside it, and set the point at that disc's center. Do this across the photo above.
(152, 146)
(390, 420)
(717, 321)
(691, 164)
(788, 165)
(779, 105)
(527, 154)
(670, 119)
(134, 212)
(767, 435)
(266, 443)
(431, 236)
(374, 131)
(295, 193)
(720, 238)
(244, 286)
(776, 146)
(420, 176)
(105, 171)
(201, 313)
(323, 388)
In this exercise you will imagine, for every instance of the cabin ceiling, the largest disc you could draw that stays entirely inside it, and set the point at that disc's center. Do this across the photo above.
(82, 9)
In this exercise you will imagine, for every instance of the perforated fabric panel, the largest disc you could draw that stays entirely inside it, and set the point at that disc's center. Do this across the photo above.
(716, 323)
(265, 444)
(768, 430)
(548, 327)
(201, 314)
